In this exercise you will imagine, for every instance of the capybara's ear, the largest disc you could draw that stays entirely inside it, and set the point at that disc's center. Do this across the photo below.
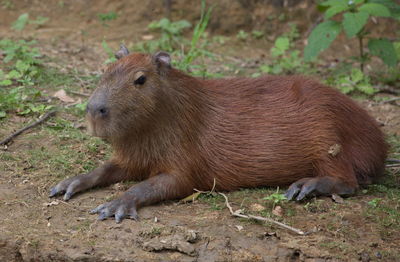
(123, 51)
(162, 60)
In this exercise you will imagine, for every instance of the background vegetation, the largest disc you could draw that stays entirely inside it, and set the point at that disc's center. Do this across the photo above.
(351, 45)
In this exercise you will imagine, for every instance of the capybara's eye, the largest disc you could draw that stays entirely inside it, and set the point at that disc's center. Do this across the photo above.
(140, 81)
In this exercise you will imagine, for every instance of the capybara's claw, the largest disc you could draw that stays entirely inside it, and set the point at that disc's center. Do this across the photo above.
(119, 208)
(54, 192)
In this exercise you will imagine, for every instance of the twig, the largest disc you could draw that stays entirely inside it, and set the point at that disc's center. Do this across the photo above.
(393, 165)
(13, 135)
(238, 214)
(393, 160)
(207, 192)
(79, 93)
(389, 100)
(389, 90)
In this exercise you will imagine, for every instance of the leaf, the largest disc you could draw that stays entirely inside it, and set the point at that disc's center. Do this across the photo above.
(191, 198)
(14, 74)
(357, 75)
(332, 11)
(321, 38)
(62, 95)
(20, 23)
(354, 22)
(393, 7)
(375, 9)
(281, 45)
(22, 66)
(346, 88)
(265, 68)
(366, 89)
(384, 49)
(2, 114)
(5, 82)
(334, 3)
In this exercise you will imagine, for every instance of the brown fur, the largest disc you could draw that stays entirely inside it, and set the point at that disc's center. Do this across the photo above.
(242, 132)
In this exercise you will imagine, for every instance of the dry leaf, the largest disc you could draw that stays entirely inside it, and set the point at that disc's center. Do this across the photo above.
(191, 198)
(62, 95)
(240, 228)
(148, 37)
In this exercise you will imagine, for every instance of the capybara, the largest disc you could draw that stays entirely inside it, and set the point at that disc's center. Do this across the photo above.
(177, 133)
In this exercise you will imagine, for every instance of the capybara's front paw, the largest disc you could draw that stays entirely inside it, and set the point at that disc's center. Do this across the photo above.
(119, 208)
(69, 186)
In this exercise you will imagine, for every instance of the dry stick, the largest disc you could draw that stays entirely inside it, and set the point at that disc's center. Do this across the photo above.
(389, 90)
(42, 119)
(389, 100)
(393, 160)
(79, 93)
(393, 165)
(237, 214)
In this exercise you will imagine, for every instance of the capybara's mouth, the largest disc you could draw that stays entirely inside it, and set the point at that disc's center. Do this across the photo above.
(95, 128)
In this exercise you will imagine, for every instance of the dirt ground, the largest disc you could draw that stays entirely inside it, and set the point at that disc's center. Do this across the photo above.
(36, 228)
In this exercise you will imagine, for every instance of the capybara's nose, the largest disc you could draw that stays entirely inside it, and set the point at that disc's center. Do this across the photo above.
(97, 110)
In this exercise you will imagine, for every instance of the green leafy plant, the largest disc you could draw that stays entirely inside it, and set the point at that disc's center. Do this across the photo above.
(17, 91)
(257, 34)
(242, 35)
(354, 82)
(354, 17)
(171, 35)
(374, 202)
(276, 198)
(285, 59)
(111, 56)
(195, 50)
(106, 17)
(172, 40)
(23, 20)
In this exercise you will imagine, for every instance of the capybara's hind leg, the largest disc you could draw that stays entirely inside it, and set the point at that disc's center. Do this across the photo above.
(332, 177)
(317, 186)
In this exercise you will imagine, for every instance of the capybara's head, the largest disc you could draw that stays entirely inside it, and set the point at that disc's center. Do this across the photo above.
(127, 95)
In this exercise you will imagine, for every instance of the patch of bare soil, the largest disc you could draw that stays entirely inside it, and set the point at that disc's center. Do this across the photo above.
(36, 228)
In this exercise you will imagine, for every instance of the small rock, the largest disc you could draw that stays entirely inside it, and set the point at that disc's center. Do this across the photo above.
(191, 236)
(338, 199)
(364, 257)
(52, 203)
